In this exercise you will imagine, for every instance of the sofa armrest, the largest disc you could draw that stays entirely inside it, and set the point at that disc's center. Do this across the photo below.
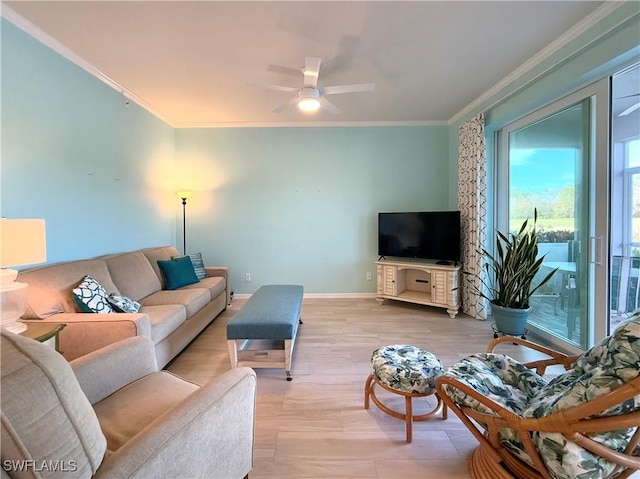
(222, 271)
(102, 372)
(86, 332)
(217, 271)
(209, 434)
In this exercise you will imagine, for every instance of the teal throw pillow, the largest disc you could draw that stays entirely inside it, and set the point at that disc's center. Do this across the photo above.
(122, 304)
(178, 272)
(198, 264)
(91, 297)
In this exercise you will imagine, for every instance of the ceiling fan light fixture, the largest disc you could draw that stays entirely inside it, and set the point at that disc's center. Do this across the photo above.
(309, 100)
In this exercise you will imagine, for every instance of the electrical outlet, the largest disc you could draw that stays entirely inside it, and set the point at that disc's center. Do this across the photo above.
(247, 276)
(368, 275)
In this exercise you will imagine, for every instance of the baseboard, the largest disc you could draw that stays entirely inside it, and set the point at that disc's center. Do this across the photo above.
(321, 295)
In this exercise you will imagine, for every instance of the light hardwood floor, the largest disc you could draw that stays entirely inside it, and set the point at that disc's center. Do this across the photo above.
(316, 426)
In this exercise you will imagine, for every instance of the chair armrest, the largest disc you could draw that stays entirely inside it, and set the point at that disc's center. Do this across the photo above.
(87, 332)
(556, 357)
(102, 372)
(209, 434)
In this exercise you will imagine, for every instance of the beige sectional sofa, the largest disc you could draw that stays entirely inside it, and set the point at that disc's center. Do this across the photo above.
(170, 318)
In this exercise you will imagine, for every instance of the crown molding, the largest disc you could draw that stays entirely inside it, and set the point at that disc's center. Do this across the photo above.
(315, 124)
(589, 21)
(50, 42)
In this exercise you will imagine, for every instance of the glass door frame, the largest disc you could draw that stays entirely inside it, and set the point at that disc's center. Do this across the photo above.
(595, 218)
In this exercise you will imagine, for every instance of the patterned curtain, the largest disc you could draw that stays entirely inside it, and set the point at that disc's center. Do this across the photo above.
(472, 203)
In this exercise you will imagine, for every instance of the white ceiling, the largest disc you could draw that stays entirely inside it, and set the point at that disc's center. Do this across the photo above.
(188, 62)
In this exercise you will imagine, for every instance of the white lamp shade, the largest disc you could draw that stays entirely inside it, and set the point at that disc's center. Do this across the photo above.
(22, 242)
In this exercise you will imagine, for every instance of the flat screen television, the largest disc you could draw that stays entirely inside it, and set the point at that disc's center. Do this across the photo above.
(433, 235)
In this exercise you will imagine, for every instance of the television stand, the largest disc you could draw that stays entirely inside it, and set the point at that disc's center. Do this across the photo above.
(444, 262)
(419, 282)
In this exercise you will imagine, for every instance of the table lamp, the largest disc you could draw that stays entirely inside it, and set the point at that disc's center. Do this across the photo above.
(22, 242)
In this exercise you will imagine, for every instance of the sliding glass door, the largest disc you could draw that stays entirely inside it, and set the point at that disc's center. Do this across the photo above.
(550, 162)
(625, 196)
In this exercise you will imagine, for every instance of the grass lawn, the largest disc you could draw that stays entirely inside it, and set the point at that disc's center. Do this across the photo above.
(548, 224)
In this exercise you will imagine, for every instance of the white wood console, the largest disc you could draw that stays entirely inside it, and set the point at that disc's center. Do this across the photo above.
(419, 282)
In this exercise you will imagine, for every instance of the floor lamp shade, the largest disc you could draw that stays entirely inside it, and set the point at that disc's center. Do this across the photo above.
(22, 242)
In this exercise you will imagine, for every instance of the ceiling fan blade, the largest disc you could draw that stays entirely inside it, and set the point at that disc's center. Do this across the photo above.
(284, 70)
(311, 71)
(330, 107)
(270, 86)
(286, 105)
(630, 110)
(334, 90)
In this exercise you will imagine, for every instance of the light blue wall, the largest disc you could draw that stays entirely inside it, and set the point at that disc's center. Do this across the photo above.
(75, 155)
(299, 205)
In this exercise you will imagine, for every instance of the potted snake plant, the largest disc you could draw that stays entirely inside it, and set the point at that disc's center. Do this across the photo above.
(507, 278)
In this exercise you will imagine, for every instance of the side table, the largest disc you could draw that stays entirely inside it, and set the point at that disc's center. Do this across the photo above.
(44, 332)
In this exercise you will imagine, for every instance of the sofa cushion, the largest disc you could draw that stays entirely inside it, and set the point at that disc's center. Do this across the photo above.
(193, 299)
(129, 410)
(50, 287)
(91, 297)
(62, 427)
(215, 284)
(133, 275)
(178, 272)
(164, 319)
(161, 253)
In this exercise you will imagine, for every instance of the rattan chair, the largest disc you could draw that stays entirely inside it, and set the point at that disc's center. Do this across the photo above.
(583, 423)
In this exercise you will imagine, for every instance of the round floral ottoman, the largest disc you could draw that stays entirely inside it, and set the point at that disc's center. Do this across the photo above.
(408, 371)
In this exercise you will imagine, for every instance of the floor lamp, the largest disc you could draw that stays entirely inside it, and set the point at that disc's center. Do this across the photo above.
(183, 195)
(23, 242)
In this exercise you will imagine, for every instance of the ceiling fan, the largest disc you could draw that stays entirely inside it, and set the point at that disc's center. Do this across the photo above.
(633, 107)
(311, 97)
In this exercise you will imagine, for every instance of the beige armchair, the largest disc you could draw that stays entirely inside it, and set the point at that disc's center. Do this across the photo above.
(118, 416)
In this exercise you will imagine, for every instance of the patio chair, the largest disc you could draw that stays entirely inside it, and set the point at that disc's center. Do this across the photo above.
(625, 287)
(582, 424)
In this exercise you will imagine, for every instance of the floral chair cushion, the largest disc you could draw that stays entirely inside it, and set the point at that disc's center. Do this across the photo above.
(607, 366)
(611, 363)
(497, 377)
(502, 379)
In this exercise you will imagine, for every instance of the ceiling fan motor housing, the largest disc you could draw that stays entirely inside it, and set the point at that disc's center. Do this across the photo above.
(309, 99)
(308, 92)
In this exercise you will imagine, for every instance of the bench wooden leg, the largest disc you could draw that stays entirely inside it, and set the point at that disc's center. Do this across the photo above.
(233, 352)
(288, 351)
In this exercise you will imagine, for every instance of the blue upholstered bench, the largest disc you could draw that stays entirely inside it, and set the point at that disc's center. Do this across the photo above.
(263, 333)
